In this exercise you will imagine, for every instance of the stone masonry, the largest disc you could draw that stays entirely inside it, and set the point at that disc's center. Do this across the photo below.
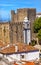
(16, 33)
(4, 32)
(16, 25)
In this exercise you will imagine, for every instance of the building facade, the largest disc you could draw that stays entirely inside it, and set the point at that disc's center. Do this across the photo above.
(19, 51)
(38, 14)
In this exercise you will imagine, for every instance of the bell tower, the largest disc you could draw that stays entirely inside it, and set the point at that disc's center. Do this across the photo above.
(27, 31)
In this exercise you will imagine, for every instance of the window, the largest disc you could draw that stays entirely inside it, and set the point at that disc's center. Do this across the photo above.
(40, 55)
(40, 50)
(27, 25)
(22, 56)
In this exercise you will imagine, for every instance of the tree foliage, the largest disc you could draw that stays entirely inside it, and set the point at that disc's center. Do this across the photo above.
(37, 25)
(37, 28)
(39, 34)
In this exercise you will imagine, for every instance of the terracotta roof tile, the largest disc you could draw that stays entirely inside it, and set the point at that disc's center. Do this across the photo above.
(21, 48)
(3, 44)
(25, 63)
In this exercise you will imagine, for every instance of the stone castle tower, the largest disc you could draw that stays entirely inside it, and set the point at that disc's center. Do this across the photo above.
(30, 13)
(16, 24)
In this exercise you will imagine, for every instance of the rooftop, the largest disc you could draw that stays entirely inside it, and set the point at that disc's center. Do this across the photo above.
(38, 13)
(21, 48)
(24, 63)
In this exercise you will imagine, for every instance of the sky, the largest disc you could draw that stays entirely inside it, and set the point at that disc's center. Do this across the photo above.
(7, 5)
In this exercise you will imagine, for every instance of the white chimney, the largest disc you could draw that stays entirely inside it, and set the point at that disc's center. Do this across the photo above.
(1, 55)
(16, 48)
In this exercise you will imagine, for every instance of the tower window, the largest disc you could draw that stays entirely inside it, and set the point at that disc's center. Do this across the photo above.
(27, 25)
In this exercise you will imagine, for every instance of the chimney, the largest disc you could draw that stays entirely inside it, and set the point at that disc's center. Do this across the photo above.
(16, 48)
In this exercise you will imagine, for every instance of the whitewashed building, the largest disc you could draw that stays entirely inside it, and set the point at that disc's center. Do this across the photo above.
(22, 52)
(38, 14)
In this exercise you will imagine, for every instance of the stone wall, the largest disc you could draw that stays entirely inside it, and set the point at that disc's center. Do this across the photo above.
(16, 32)
(4, 32)
(32, 16)
(13, 16)
(30, 13)
(22, 13)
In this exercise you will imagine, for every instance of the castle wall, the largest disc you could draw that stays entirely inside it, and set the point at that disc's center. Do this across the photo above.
(17, 32)
(13, 16)
(32, 16)
(22, 13)
(30, 13)
(4, 32)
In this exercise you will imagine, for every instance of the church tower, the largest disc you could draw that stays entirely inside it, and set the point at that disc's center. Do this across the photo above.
(27, 31)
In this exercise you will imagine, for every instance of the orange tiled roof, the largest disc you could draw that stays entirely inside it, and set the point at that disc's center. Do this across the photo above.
(26, 63)
(29, 63)
(2, 44)
(21, 48)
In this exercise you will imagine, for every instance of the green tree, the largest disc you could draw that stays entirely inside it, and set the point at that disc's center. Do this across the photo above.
(37, 25)
(39, 36)
(37, 28)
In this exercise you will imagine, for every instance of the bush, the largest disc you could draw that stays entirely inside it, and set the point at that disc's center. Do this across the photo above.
(33, 42)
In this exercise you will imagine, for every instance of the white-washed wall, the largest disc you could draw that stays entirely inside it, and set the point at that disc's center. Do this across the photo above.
(24, 35)
(15, 56)
(12, 57)
(32, 56)
(38, 15)
(28, 36)
(27, 56)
